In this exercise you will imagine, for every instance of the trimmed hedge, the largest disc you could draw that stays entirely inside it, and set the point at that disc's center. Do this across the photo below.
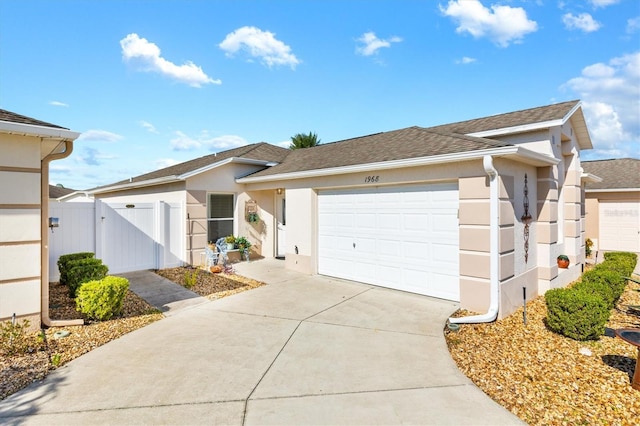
(607, 277)
(82, 271)
(622, 262)
(582, 311)
(102, 299)
(63, 263)
(576, 313)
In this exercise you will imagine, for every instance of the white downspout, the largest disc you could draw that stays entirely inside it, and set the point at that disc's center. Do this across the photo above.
(44, 236)
(494, 254)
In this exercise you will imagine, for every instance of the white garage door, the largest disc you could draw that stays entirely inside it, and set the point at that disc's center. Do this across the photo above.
(620, 226)
(404, 238)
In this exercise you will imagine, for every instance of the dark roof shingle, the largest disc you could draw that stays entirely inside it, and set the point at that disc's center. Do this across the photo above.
(12, 117)
(511, 119)
(412, 142)
(59, 191)
(258, 151)
(615, 173)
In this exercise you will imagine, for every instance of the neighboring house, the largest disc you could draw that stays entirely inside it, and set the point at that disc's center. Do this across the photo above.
(613, 204)
(62, 194)
(473, 211)
(27, 146)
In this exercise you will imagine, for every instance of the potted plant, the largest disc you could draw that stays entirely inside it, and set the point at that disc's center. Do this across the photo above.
(253, 218)
(587, 247)
(243, 245)
(231, 242)
(563, 261)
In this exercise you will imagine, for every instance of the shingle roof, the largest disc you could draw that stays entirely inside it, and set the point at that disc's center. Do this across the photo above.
(412, 142)
(511, 119)
(258, 151)
(12, 117)
(615, 173)
(58, 191)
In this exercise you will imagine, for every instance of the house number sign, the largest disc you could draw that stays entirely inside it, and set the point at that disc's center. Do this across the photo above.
(372, 179)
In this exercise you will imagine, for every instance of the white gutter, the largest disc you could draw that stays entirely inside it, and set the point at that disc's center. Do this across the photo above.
(614, 190)
(38, 131)
(44, 237)
(179, 178)
(494, 282)
(518, 152)
(590, 178)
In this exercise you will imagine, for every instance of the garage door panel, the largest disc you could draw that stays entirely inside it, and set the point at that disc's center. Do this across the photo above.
(620, 226)
(405, 236)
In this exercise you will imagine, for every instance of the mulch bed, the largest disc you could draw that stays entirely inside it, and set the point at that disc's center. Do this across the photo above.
(44, 355)
(547, 379)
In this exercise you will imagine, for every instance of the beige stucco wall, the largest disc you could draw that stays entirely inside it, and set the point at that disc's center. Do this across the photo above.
(20, 238)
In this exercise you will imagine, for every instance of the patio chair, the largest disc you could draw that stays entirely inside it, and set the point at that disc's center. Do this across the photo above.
(210, 256)
(221, 245)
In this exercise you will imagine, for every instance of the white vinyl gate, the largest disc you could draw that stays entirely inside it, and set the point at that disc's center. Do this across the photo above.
(127, 237)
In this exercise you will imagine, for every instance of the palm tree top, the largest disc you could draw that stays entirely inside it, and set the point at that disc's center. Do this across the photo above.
(301, 140)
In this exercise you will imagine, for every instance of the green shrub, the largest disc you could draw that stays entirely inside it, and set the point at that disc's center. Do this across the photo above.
(611, 279)
(190, 278)
(15, 339)
(597, 288)
(576, 314)
(64, 260)
(102, 299)
(621, 262)
(82, 271)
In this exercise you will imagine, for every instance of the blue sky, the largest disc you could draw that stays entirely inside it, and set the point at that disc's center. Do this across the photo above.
(153, 83)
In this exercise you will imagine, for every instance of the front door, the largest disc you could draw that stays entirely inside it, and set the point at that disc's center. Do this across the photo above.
(281, 218)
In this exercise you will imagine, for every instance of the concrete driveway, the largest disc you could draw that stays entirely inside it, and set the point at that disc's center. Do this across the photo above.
(301, 350)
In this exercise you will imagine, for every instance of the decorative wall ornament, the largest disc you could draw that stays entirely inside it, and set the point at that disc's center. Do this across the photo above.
(526, 219)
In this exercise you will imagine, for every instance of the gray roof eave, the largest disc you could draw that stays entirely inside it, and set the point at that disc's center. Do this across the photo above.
(511, 152)
(37, 131)
(178, 178)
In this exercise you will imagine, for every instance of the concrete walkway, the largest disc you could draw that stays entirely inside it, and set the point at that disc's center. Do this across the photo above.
(301, 350)
(161, 293)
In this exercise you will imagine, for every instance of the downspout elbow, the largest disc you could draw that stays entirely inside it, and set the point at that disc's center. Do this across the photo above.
(44, 239)
(494, 282)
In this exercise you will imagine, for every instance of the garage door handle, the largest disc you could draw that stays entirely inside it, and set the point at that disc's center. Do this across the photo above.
(354, 245)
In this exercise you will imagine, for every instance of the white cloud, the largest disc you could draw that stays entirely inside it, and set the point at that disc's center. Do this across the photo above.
(99, 135)
(283, 144)
(59, 104)
(222, 143)
(610, 94)
(370, 44)
(93, 157)
(633, 25)
(146, 56)
(259, 44)
(502, 24)
(183, 142)
(583, 21)
(148, 126)
(466, 60)
(603, 3)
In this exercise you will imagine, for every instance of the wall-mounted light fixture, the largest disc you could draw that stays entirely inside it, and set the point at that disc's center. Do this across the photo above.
(54, 222)
(279, 191)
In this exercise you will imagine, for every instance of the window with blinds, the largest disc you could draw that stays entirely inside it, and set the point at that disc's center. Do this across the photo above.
(219, 216)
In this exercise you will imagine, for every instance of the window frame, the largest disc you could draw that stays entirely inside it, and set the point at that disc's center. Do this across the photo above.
(220, 219)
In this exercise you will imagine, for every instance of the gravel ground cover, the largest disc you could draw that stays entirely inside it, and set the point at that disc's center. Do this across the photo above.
(547, 379)
(47, 353)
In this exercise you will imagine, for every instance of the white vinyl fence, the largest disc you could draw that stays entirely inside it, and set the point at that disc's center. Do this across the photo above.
(126, 237)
